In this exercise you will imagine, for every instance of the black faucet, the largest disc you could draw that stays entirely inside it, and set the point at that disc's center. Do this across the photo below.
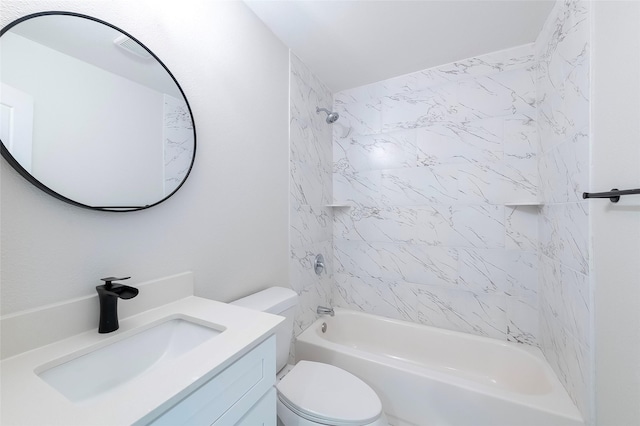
(108, 294)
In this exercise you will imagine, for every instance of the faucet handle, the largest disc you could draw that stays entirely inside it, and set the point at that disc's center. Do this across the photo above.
(108, 280)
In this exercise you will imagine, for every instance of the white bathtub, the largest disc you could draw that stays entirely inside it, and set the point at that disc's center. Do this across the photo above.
(432, 377)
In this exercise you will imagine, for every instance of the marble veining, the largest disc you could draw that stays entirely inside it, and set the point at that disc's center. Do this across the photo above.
(178, 142)
(483, 314)
(426, 161)
(455, 143)
(521, 227)
(562, 86)
(432, 165)
(311, 221)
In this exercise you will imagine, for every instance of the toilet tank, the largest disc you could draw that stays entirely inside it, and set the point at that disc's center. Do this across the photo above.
(279, 301)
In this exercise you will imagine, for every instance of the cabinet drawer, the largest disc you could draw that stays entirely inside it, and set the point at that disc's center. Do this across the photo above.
(228, 396)
(263, 413)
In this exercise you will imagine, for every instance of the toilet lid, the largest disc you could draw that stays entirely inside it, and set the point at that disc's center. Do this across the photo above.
(328, 394)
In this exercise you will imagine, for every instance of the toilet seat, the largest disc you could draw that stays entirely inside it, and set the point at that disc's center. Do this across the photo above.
(328, 395)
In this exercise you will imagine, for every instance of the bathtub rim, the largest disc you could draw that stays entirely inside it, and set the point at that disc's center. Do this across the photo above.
(561, 404)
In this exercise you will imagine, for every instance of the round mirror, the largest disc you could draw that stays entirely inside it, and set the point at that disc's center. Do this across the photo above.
(91, 116)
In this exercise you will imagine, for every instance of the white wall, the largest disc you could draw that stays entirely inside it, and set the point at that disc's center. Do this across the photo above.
(615, 228)
(228, 223)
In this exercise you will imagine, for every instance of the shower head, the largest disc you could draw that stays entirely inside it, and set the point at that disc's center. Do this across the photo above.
(332, 117)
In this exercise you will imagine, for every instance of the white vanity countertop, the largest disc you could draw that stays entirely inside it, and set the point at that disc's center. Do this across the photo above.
(28, 400)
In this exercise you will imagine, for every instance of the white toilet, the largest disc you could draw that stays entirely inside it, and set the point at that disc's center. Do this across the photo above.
(313, 393)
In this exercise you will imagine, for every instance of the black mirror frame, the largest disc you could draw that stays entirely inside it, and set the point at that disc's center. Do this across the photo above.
(117, 209)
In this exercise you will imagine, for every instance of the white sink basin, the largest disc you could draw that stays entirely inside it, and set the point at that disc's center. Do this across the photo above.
(88, 375)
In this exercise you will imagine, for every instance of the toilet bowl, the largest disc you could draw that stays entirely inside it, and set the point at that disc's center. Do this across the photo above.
(313, 393)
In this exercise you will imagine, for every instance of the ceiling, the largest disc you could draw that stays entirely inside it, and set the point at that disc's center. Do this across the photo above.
(350, 43)
(93, 43)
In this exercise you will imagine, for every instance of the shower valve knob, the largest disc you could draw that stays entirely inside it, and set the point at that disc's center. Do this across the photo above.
(318, 265)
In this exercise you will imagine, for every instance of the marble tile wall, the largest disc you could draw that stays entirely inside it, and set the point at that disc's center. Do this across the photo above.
(566, 306)
(427, 162)
(310, 220)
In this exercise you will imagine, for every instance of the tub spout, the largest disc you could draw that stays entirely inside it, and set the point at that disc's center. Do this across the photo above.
(325, 311)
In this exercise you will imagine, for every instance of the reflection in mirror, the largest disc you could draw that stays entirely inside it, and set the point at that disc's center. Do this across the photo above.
(89, 115)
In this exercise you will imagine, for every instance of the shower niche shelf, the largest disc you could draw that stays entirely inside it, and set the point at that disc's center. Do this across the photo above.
(524, 204)
(339, 206)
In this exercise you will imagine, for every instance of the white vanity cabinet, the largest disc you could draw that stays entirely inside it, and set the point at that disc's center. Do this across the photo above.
(241, 394)
(225, 379)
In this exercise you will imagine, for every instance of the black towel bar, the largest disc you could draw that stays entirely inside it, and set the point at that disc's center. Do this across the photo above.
(613, 195)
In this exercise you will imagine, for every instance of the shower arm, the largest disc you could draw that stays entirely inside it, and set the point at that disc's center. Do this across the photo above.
(332, 116)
